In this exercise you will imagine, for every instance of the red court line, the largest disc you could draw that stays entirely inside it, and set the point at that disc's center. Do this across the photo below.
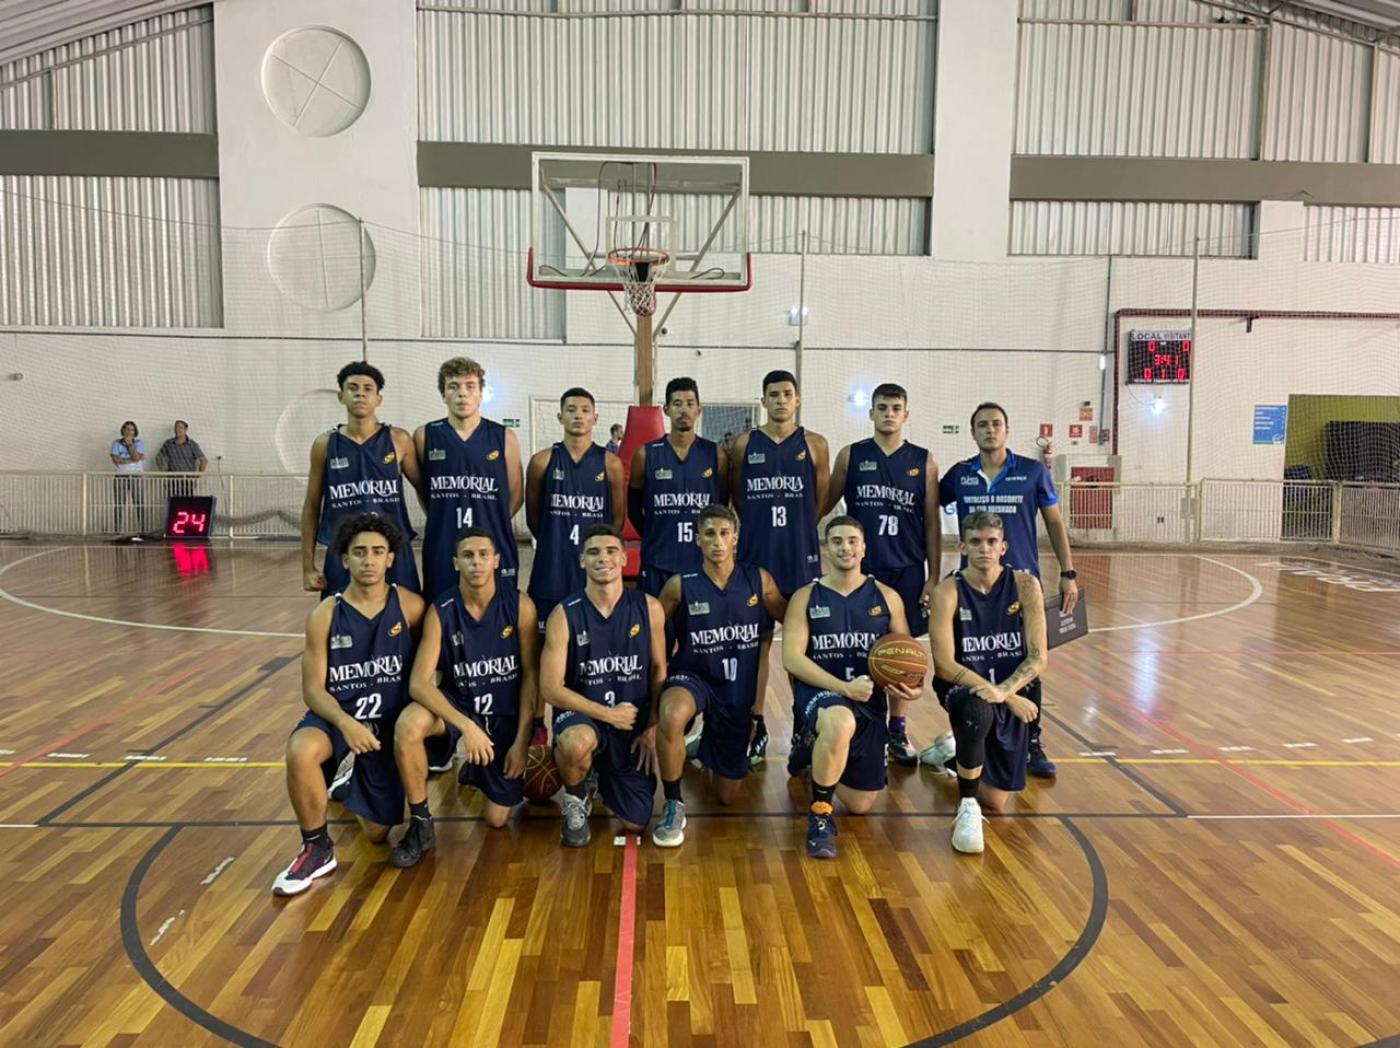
(172, 681)
(626, 933)
(1204, 750)
(1241, 654)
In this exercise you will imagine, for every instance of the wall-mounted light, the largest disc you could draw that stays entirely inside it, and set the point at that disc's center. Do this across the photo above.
(1158, 405)
(859, 398)
(1103, 361)
(488, 394)
(798, 314)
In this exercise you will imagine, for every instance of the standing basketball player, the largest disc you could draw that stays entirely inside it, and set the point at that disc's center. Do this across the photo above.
(471, 471)
(778, 479)
(997, 480)
(987, 628)
(354, 681)
(723, 616)
(603, 663)
(828, 632)
(891, 487)
(569, 488)
(671, 480)
(358, 467)
(474, 679)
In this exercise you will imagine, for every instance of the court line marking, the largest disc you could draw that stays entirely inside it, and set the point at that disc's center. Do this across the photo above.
(1256, 591)
(626, 933)
(13, 599)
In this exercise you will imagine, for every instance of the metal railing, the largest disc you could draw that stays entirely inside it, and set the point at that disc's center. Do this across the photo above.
(268, 505)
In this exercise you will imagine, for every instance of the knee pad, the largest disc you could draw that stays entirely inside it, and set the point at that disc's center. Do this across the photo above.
(971, 719)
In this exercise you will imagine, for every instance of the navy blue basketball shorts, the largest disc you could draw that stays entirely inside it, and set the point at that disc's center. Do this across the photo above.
(628, 792)
(866, 760)
(375, 792)
(491, 779)
(724, 739)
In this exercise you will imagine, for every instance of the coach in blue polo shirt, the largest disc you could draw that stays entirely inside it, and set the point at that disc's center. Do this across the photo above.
(1015, 488)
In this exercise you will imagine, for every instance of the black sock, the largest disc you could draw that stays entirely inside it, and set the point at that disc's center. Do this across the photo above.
(318, 837)
(967, 787)
(578, 789)
(898, 725)
(671, 788)
(822, 794)
(420, 810)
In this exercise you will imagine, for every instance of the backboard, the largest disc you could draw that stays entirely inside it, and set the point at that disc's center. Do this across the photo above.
(585, 205)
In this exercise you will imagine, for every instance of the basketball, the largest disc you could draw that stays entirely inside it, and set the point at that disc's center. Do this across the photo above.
(542, 779)
(897, 658)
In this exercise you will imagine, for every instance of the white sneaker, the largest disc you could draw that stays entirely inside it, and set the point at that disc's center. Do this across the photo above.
(940, 752)
(967, 827)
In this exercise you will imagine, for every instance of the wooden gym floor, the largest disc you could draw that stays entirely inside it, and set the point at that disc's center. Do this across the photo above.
(1217, 864)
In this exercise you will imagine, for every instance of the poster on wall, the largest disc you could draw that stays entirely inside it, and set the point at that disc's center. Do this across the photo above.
(1270, 423)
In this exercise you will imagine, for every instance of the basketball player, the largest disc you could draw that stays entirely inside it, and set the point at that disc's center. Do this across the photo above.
(999, 481)
(987, 628)
(568, 488)
(723, 616)
(778, 479)
(891, 487)
(357, 467)
(354, 681)
(671, 480)
(828, 632)
(603, 663)
(474, 680)
(471, 472)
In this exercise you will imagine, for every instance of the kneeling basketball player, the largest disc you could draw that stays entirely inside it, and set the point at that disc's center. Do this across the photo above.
(603, 663)
(723, 616)
(830, 627)
(354, 679)
(474, 680)
(987, 629)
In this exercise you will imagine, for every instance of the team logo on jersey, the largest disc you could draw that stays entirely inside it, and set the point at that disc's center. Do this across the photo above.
(709, 472)
(340, 463)
(878, 609)
(753, 600)
(636, 628)
(582, 638)
(802, 455)
(436, 454)
(818, 611)
(601, 475)
(970, 482)
(757, 457)
(1015, 608)
(458, 641)
(914, 472)
(558, 474)
(340, 641)
(396, 629)
(867, 467)
(965, 614)
(494, 454)
(662, 474)
(507, 632)
(389, 458)
(699, 607)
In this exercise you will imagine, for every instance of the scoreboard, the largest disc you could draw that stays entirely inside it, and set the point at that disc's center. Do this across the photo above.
(1159, 357)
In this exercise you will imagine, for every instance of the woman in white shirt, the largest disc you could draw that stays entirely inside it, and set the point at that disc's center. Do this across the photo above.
(128, 455)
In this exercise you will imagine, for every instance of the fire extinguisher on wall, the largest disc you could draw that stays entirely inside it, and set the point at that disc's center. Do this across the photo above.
(1047, 452)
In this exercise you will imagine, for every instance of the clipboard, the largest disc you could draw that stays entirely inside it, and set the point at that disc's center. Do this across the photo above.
(1061, 628)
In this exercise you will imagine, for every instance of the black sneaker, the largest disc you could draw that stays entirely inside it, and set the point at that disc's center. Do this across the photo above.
(414, 844)
(900, 750)
(1039, 765)
(758, 747)
(313, 861)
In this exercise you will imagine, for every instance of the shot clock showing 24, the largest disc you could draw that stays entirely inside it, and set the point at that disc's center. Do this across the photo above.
(189, 517)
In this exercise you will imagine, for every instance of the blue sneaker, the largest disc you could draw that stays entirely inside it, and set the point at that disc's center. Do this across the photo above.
(821, 833)
(1039, 765)
(800, 753)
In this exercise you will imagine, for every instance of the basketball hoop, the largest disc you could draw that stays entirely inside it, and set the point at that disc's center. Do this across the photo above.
(639, 268)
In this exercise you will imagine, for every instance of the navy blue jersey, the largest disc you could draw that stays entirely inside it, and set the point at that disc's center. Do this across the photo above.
(988, 637)
(468, 487)
(886, 494)
(362, 478)
(1016, 494)
(609, 658)
(778, 510)
(676, 490)
(575, 496)
(480, 658)
(718, 631)
(368, 663)
(841, 632)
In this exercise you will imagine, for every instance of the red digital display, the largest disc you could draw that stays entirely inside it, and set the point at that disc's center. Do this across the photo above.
(1159, 357)
(189, 517)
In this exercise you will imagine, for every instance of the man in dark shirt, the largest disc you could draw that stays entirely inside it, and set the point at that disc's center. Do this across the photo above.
(180, 454)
